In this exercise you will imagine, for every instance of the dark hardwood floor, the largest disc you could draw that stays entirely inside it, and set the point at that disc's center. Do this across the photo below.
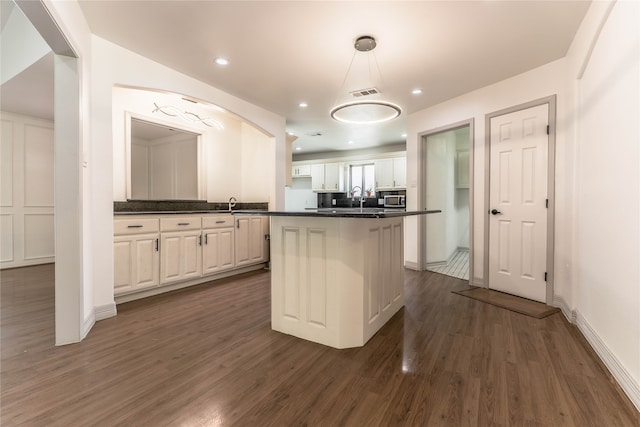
(206, 356)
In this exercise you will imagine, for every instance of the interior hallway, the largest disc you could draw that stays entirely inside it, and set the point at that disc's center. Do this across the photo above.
(206, 356)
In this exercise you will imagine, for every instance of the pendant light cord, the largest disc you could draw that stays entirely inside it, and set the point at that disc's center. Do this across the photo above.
(344, 81)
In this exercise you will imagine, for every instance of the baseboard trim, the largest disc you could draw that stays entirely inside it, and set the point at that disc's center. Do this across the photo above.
(564, 307)
(411, 265)
(105, 311)
(179, 285)
(476, 281)
(87, 325)
(621, 375)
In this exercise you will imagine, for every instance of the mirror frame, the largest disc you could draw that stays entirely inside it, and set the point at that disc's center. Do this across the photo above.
(201, 170)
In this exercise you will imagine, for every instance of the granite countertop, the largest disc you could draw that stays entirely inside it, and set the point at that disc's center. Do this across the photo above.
(172, 207)
(173, 212)
(341, 213)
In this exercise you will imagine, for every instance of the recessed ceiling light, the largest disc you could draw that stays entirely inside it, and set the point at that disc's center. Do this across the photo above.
(416, 91)
(222, 61)
(298, 148)
(291, 134)
(404, 135)
(350, 142)
(303, 105)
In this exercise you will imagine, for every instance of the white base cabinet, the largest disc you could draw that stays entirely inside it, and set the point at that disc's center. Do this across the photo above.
(136, 258)
(155, 251)
(136, 254)
(181, 256)
(251, 242)
(218, 247)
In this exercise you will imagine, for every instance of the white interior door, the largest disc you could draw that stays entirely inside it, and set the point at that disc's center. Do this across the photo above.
(518, 203)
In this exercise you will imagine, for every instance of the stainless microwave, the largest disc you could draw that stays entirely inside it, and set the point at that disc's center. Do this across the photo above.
(394, 201)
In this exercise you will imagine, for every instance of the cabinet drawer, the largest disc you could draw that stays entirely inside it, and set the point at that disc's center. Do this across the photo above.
(135, 226)
(180, 223)
(217, 221)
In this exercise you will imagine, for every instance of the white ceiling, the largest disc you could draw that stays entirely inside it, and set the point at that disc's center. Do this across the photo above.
(284, 52)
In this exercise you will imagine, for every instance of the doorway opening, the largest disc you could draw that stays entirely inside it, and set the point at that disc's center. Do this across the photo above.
(447, 179)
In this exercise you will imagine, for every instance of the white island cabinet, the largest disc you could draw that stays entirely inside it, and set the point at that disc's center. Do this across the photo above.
(336, 277)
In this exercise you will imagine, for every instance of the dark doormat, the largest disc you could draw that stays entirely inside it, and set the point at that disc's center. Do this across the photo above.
(510, 302)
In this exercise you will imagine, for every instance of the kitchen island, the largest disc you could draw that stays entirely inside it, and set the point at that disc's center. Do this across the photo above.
(337, 275)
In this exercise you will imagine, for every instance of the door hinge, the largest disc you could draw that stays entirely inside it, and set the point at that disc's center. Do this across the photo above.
(547, 129)
(545, 276)
(546, 203)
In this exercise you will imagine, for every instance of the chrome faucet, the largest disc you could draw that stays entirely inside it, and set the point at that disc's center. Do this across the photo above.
(361, 195)
(232, 202)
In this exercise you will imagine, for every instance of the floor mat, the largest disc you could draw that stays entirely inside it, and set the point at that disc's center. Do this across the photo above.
(510, 302)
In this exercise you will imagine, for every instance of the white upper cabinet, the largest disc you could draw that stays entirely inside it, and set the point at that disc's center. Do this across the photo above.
(400, 172)
(326, 177)
(391, 174)
(332, 177)
(301, 171)
(384, 174)
(462, 169)
(317, 177)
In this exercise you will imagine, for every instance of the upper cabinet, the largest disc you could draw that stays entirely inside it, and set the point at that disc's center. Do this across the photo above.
(326, 177)
(391, 174)
(462, 169)
(301, 171)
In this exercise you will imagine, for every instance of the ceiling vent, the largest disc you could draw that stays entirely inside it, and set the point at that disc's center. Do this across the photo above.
(314, 134)
(364, 92)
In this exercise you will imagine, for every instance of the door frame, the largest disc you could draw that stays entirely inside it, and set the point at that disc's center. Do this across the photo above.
(422, 201)
(551, 161)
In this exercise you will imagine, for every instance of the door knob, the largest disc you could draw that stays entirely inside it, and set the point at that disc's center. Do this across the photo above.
(495, 212)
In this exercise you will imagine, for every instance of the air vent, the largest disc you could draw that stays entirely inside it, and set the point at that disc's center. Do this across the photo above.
(314, 134)
(364, 92)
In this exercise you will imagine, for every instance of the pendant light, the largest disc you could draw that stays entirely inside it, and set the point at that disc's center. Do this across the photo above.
(364, 111)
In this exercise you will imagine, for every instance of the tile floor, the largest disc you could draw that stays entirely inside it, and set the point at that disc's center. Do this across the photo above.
(458, 267)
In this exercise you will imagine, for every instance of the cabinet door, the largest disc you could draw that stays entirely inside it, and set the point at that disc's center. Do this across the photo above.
(181, 256)
(136, 262)
(249, 239)
(462, 169)
(332, 177)
(400, 172)
(317, 177)
(217, 250)
(384, 174)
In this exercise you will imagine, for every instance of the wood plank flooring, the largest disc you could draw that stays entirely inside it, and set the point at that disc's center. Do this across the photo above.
(206, 356)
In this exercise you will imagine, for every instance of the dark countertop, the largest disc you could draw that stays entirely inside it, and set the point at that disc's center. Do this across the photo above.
(160, 207)
(173, 212)
(340, 213)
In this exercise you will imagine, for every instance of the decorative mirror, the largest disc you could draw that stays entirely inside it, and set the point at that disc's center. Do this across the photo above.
(163, 161)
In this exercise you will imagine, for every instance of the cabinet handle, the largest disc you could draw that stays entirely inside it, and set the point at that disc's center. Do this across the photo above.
(238, 223)
(200, 240)
(157, 245)
(183, 223)
(220, 222)
(206, 239)
(134, 226)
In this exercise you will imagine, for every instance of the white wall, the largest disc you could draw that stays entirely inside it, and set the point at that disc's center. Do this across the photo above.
(236, 156)
(26, 194)
(540, 82)
(597, 214)
(607, 291)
